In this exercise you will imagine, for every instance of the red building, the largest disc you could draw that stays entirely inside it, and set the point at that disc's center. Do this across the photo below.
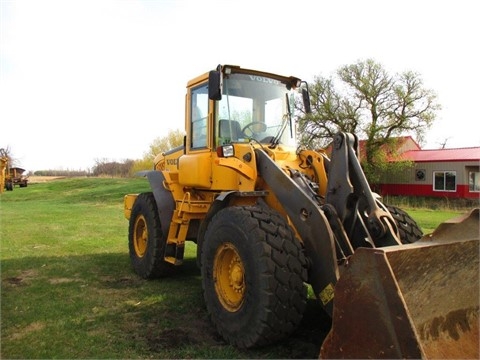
(451, 173)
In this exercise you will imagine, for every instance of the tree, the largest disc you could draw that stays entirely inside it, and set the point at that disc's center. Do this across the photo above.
(7, 153)
(159, 145)
(105, 167)
(331, 113)
(374, 105)
(173, 139)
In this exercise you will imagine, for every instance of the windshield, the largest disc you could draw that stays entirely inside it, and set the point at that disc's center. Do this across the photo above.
(254, 107)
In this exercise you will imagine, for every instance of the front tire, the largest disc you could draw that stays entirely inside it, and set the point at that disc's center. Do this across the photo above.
(253, 273)
(146, 242)
(408, 228)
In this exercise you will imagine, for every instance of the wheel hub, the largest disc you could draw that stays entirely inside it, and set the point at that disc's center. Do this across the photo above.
(236, 276)
(140, 236)
(229, 277)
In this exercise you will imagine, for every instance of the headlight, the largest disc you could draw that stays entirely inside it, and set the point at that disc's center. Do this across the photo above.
(225, 151)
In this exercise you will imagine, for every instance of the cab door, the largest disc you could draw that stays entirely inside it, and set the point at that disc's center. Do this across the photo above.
(195, 166)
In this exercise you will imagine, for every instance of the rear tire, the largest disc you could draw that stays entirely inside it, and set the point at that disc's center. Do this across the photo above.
(408, 229)
(146, 241)
(253, 273)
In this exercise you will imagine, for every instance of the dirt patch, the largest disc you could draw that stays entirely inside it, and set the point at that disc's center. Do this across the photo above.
(196, 331)
(55, 281)
(14, 280)
(35, 326)
(120, 283)
(23, 277)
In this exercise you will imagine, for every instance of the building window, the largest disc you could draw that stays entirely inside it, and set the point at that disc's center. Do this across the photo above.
(444, 181)
(474, 181)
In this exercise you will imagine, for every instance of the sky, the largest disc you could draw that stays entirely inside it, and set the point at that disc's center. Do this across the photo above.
(89, 80)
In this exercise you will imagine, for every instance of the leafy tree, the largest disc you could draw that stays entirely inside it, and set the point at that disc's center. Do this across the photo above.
(173, 139)
(140, 165)
(364, 99)
(331, 112)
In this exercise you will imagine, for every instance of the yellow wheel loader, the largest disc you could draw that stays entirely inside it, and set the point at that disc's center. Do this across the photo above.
(270, 218)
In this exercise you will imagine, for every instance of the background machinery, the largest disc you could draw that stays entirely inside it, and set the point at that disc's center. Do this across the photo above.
(10, 175)
(16, 176)
(3, 169)
(269, 218)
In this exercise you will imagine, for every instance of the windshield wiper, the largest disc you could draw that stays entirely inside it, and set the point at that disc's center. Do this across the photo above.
(287, 118)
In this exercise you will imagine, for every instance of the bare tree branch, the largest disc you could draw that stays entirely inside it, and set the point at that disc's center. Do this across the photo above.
(372, 104)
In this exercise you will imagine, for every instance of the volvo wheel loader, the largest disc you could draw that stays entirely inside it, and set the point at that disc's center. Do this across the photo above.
(270, 219)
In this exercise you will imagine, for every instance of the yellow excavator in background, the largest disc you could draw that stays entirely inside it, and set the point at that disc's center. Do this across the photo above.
(270, 218)
(3, 168)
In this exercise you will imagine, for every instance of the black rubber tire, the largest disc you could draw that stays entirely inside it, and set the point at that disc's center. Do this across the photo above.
(408, 228)
(148, 261)
(274, 265)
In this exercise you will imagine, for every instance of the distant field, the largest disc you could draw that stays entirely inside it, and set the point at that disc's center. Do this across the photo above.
(42, 179)
(68, 290)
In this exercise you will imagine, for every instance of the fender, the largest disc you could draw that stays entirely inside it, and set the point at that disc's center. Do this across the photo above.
(163, 198)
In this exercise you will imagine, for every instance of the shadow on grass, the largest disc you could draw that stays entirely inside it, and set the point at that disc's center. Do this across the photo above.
(99, 299)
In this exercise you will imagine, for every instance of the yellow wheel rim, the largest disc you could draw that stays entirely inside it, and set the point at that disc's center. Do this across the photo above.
(140, 236)
(229, 277)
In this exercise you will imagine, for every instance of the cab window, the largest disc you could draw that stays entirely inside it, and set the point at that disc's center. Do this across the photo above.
(199, 116)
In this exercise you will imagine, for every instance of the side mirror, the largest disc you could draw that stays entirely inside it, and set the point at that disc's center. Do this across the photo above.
(215, 85)
(306, 101)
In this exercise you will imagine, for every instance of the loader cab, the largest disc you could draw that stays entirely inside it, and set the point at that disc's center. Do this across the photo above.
(235, 108)
(234, 105)
(252, 107)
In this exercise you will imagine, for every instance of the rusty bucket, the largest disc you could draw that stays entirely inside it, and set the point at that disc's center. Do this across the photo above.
(413, 301)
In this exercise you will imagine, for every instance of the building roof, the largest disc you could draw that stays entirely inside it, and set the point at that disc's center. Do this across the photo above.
(408, 149)
(460, 154)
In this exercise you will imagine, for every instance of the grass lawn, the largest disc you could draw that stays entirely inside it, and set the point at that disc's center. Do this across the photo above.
(68, 290)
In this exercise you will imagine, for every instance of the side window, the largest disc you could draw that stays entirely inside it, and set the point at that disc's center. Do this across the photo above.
(444, 181)
(199, 114)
